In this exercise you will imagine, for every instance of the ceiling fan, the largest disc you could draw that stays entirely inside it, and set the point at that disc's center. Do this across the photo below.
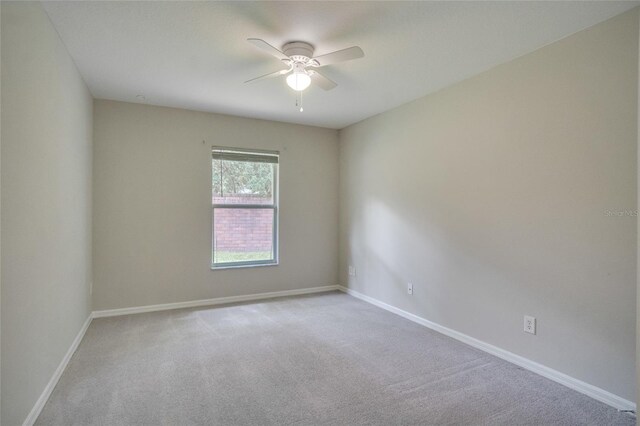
(301, 65)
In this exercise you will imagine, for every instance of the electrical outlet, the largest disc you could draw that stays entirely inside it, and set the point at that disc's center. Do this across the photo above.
(410, 288)
(352, 271)
(529, 324)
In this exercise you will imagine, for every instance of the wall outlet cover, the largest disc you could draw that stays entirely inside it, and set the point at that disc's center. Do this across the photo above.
(529, 324)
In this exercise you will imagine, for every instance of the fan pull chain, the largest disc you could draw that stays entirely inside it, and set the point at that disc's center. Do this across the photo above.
(299, 100)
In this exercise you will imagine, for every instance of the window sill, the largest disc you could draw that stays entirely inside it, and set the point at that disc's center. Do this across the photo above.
(256, 265)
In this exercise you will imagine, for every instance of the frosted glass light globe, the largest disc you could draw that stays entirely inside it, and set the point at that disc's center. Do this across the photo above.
(298, 81)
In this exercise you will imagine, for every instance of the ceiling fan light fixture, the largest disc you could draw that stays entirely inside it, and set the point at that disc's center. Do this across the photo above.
(298, 81)
(298, 57)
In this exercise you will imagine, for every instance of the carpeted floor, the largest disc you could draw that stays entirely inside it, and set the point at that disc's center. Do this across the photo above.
(325, 359)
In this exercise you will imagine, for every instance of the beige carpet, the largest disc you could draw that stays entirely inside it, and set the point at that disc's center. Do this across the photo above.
(326, 359)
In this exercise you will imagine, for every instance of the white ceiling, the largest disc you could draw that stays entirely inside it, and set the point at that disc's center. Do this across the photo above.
(194, 55)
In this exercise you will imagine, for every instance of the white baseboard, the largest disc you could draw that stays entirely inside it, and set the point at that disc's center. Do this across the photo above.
(568, 381)
(211, 302)
(39, 405)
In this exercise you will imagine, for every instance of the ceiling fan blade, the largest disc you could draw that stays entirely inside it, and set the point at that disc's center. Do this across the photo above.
(270, 75)
(340, 56)
(263, 45)
(322, 81)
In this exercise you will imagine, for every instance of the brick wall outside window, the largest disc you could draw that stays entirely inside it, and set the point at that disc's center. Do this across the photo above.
(243, 230)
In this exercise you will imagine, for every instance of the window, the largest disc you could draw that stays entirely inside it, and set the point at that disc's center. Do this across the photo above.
(245, 207)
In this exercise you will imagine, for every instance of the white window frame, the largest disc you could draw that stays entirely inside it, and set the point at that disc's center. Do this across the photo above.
(216, 152)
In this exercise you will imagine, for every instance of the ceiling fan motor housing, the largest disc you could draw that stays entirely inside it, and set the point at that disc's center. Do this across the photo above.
(298, 51)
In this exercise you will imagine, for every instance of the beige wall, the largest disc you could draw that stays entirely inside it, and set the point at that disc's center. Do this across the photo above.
(490, 197)
(46, 205)
(152, 205)
(638, 245)
(0, 223)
